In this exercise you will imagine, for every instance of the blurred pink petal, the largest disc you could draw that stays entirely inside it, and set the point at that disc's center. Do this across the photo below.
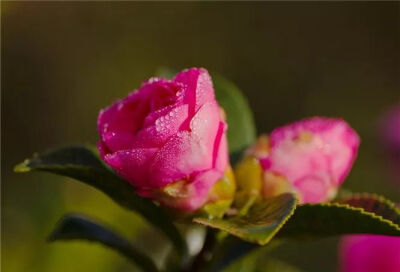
(370, 253)
(315, 155)
(390, 137)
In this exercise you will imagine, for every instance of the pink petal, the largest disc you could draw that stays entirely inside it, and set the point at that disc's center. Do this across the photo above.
(118, 123)
(103, 149)
(199, 89)
(390, 128)
(118, 140)
(370, 253)
(188, 152)
(164, 127)
(132, 165)
(220, 155)
(207, 127)
(121, 120)
(316, 145)
(198, 191)
(159, 93)
(314, 188)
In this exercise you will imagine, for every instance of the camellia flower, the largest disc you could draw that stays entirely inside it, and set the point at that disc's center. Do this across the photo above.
(168, 140)
(311, 157)
(370, 253)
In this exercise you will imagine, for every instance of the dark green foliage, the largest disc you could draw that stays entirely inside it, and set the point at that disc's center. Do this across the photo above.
(79, 227)
(82, 163)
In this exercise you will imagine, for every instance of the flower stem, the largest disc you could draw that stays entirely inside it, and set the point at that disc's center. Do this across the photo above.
(205, 254)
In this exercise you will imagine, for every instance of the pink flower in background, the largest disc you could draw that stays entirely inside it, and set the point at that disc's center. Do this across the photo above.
(311, 157)
(370, 253)
(167, 139)
(390, 137)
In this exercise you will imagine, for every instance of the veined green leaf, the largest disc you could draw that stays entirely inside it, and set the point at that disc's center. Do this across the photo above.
(82, 163)
(260, 224)
(79, 227)
(368, 214)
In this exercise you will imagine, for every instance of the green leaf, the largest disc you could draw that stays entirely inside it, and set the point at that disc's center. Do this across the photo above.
(260, 224)
(241, 127)
(79, 227)
(82, 163)
(322, 220)
(375, 204)
(367, 214)
(327, 219)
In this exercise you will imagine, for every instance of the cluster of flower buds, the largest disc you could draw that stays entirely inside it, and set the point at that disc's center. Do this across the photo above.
(168, 139)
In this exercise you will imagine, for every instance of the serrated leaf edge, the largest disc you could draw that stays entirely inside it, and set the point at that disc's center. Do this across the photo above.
(364, 212)
(380, 198)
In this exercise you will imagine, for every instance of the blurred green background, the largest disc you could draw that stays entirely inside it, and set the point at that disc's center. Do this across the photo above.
(62, 62)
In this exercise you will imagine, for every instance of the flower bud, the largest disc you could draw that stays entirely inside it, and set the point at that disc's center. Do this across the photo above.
(168, 140)
(311, 157)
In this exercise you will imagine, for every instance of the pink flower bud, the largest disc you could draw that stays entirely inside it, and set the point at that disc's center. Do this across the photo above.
(311, 157)
(167, 139)
(370, 253)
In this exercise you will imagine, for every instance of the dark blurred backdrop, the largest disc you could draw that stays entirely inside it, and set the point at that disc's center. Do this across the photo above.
(62, 62)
